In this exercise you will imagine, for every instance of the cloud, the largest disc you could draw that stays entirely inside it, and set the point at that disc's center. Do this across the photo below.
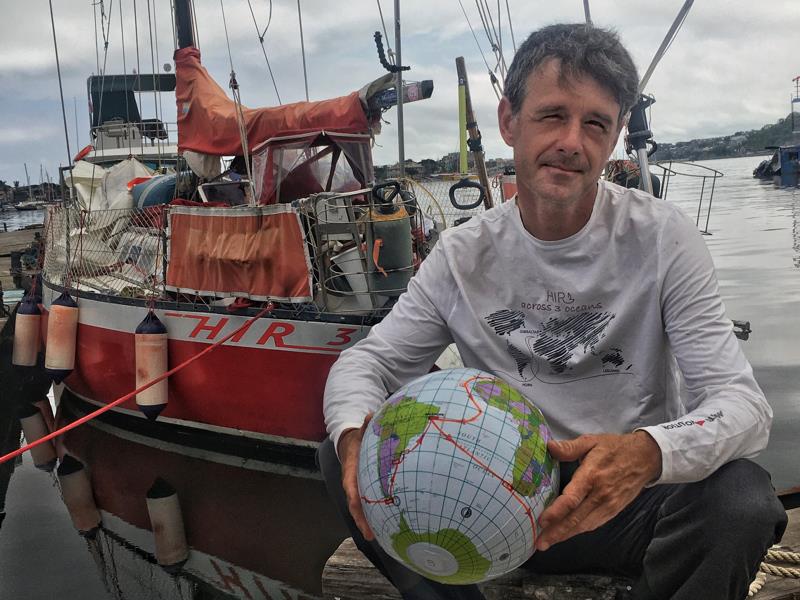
(723, 73)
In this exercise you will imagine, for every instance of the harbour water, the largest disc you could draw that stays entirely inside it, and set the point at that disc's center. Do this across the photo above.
(11, 219)
(755, 242)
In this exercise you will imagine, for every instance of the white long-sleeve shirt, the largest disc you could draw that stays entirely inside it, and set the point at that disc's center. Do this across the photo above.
(595, 329)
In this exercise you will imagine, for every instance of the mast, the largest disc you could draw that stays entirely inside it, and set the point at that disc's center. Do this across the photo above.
(474, 133)
(399, 87)
(184, 20)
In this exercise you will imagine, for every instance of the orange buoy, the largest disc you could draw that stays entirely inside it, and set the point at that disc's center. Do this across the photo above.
(26, 333)
(76, 489)
(151, 361)
(172, 549)
(34, 427)
(62, 333)
(508, 186)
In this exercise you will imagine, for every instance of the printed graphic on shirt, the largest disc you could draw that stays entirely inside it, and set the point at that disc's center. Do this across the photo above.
(690, 422)
(548, 352)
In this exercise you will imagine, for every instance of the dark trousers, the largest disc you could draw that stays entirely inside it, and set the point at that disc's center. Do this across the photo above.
(681, 541)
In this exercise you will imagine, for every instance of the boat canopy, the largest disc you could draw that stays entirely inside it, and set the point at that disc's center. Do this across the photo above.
(290, 167)
(113, 97)
(207, 119)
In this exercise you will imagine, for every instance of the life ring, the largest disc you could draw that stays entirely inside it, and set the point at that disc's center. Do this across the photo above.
(80, 155)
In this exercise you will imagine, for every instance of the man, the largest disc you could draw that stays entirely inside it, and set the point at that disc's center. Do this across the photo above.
(590, 299)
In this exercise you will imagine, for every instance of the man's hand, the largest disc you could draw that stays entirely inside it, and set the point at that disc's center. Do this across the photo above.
(613, 470)
(348, 449)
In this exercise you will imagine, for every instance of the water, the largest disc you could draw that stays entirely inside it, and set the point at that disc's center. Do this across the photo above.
(252, 542)
(755, 244)
(12, 219)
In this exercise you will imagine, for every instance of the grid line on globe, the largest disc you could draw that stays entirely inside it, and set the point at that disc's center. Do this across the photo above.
(454, 473)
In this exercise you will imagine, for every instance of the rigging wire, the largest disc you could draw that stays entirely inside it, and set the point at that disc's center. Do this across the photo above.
(511, 28)
(138, 63)
(385, 35)
(172, 18)
(665, 45)
(154, 75)
(234, 85)
(495, 84)
(96, 46)
(492, 35)
(160, 114)
(194, 26)
(60, 87)
(264, 50)
(125, 78)
(302, 47)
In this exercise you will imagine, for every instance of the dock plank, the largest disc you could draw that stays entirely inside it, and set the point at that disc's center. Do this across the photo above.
(348, 574)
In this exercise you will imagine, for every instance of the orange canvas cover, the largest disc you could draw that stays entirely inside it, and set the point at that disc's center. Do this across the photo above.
(207, 116)
(255, 252)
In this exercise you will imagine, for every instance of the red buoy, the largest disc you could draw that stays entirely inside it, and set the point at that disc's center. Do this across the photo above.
(62, 334)
(172, 549)
(76, 489)
(34, 427)
(151, 361)
(26, 333)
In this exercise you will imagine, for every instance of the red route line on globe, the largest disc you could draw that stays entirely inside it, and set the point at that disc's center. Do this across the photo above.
(432, 420)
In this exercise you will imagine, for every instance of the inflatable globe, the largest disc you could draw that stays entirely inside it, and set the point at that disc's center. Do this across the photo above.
(454, 473)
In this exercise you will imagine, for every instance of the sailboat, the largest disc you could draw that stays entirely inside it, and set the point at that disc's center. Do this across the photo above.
(272, 268)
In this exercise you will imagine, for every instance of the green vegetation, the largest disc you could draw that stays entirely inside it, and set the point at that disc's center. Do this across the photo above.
(741, 143)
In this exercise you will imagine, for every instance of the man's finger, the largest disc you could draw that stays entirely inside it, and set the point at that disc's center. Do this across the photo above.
(573, 494)
(589, 514)
(574, 449)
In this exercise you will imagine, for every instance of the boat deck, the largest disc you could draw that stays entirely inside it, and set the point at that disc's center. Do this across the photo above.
(348, 574)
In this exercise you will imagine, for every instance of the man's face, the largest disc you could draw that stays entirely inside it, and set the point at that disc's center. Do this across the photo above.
(562, 135)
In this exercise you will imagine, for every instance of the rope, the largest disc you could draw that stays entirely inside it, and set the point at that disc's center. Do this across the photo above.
(780, 571)
(138, 390)
(783, 556)
(775, 554)
(264, 50)
(757, 584)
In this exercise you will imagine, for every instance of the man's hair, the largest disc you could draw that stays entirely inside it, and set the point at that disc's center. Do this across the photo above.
(582, 50)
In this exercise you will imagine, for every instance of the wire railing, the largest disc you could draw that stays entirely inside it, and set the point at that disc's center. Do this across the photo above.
(114, 252)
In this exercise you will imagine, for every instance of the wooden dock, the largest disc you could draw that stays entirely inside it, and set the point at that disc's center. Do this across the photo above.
(348, 574)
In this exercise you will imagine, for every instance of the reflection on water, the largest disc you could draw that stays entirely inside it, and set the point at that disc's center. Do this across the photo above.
(254, 532)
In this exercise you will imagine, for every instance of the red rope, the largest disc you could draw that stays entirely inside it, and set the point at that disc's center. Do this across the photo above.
(130, 395)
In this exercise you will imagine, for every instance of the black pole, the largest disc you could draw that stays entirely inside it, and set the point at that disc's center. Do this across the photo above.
(183, 23)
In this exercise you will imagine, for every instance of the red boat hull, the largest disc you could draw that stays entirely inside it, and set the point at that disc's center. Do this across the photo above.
(265, 382)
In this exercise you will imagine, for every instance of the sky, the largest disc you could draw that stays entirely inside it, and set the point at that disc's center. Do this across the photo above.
(729, 69)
